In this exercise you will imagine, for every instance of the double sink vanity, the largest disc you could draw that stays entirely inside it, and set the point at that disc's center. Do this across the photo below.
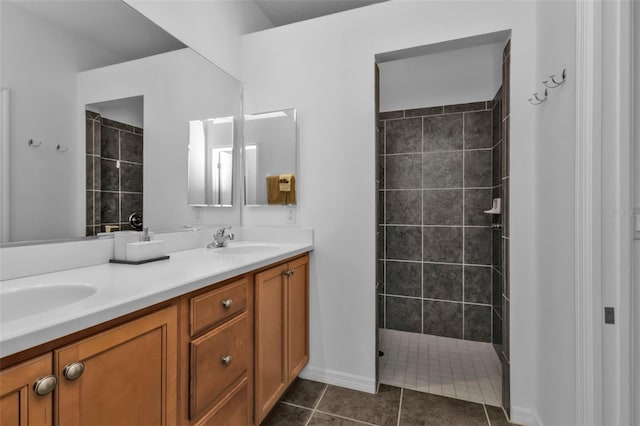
(207, 337)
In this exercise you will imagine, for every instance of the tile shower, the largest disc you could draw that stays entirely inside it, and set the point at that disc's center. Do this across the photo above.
(114, 170)
(443, 262)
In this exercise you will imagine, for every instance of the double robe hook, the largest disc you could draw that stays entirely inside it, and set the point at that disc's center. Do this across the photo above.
(537, 100)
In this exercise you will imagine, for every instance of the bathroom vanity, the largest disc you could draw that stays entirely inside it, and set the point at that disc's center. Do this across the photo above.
(220, 352)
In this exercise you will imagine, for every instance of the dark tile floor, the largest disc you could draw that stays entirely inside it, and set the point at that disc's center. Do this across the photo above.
(308, 403)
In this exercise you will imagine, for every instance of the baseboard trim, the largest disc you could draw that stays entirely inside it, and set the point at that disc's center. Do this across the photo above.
(339, 378)
(525, 417)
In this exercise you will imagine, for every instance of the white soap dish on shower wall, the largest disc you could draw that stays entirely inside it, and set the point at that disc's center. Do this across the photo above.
(496, 207)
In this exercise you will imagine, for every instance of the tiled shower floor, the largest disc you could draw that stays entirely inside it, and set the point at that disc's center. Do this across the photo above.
(455, 368)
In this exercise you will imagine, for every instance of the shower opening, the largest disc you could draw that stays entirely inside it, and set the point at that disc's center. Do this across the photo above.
(442, 213)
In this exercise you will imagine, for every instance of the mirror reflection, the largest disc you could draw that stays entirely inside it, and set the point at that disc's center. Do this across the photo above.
(270, 158)
(211, 162)
(62, 62)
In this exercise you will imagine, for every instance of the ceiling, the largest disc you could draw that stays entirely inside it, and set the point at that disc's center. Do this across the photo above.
(283, 12)
(111, 24)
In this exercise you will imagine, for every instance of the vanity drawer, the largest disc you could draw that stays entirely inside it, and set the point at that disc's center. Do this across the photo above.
(218, 360)
(233, 410)
(211, 308)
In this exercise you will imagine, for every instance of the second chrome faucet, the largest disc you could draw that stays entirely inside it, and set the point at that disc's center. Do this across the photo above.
(221, 237)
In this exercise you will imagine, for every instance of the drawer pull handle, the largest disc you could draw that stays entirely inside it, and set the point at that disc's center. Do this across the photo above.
(227, 303)
(226, 360)
(45, 385)
(73, 371)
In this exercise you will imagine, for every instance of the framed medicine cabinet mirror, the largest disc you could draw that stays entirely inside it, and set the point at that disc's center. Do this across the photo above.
(270, 158)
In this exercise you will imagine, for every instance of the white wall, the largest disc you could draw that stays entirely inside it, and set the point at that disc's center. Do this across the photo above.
(212, 28)
(555, 214)
(39, 66)
(454, 77)
(177, 87)
(325, 68)
(636, 245)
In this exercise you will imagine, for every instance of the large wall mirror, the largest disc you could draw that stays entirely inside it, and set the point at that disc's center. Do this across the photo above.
(270, 158)
(98, 105)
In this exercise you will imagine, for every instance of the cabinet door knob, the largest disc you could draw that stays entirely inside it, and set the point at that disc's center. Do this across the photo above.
(73, 371)
(292, 271)
(45, 385)
(227, 303)
(226, 360)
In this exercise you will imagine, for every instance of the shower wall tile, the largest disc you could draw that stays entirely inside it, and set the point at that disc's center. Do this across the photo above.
(89, 168)
(442, 169)
(110, 207)
(442, 207)
(403, 242)
(404, 278)
(472, 106)
(403, 136)
(389, 115)
(118, 125)
(110, 143)
(89, 205)
(403, 314)
(497, 164)
(110, 175)
(477, 130)
(477, 169)
(476, 201)
(403, 171)
(443, 282)
(496, 290)
(477, 284)
(421, 112)
(477, 246)
(496, 337)
(477, 323)
(131, 203)
(131, 177)
(88, 136)
(403, 207)
(496, 248)
(431, 202)
(443, 132)
(442, 244)
(442, 318)
(131, 147)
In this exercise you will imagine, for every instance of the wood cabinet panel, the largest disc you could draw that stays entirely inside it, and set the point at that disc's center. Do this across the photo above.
(297, 317)
(130, 375)
(270, 339)
(282, 330)
(216, 306)
(210, 376)
(19, 404)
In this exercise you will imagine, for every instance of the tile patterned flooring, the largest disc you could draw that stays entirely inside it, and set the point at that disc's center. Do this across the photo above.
(308, 403)
(455, 368)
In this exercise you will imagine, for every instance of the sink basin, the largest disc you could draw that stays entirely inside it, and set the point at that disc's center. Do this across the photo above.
(246, 248)
(23, 302)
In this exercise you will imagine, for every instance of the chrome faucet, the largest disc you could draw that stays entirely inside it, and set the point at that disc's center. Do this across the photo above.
(220, 238)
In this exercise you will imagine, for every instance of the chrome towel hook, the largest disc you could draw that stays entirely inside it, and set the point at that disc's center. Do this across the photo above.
(33, 144)
(555, 83)
(537, 100)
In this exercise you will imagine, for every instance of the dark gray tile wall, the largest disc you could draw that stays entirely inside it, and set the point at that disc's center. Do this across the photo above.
(436, 179)
(114, 167)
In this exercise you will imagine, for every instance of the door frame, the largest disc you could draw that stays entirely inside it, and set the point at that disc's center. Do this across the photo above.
(604, 212)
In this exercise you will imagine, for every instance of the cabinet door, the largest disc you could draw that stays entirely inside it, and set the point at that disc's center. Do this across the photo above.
(129, 375)
(297, 287)
(270, 340)
(19, 403)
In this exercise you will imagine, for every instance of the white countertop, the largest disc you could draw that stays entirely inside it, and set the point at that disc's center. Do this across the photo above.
(122, 289)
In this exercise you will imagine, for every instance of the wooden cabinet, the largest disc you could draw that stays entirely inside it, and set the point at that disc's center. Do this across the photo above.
(220, 355)
(19, 403)
(281, 330)
(126, 375)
